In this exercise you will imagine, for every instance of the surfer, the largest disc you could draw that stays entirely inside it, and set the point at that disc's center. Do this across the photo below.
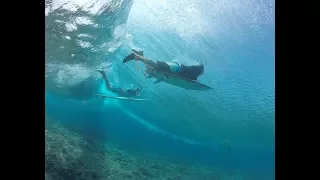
(188, 72)
(120, 91)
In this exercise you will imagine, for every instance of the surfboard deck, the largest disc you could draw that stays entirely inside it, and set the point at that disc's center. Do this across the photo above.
(119, 97)
(178, 80)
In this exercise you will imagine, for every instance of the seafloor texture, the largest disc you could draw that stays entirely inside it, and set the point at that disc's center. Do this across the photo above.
(72, 157)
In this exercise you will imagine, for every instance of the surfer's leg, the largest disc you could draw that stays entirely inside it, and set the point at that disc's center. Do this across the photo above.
(138, 55)
(109, 87)
(159, 65)
(147, 61)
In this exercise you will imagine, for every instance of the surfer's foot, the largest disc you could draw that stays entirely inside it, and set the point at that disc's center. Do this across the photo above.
(140, 53)
(101, 72)
(130, 57)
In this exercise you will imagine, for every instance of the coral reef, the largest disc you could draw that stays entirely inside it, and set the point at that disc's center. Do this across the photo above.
(70, 156)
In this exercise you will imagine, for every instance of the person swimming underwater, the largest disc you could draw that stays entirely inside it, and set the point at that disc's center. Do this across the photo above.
(120, 91)
(188, 72)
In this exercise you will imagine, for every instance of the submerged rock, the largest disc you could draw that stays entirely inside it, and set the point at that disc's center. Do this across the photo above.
(72, 157)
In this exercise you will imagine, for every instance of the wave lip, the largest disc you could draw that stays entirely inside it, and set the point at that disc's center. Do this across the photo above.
(80, 35)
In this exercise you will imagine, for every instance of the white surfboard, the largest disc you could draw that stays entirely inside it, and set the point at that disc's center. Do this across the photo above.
(177, 80)
(119, 97)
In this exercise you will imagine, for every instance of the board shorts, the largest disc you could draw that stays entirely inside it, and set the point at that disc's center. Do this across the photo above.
(169, 67)
(174, 67)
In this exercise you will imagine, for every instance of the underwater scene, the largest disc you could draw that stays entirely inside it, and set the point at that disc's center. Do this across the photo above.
(159, 90)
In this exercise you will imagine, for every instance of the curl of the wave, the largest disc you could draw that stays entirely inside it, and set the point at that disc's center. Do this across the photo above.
(80, 37)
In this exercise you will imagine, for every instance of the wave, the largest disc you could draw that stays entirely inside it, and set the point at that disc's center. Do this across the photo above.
(233, 39)
(80, 37)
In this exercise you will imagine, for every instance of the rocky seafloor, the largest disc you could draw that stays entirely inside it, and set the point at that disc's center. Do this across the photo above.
(70, 156)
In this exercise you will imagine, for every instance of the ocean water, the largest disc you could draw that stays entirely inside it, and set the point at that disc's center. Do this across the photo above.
(234, 40)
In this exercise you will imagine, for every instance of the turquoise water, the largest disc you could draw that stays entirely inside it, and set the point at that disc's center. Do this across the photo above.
(233, 39)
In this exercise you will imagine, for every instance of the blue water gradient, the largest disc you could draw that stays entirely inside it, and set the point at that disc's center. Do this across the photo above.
(233, 39)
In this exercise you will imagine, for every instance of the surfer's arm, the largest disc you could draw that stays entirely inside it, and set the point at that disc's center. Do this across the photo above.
(108, 85)
(111, 88)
